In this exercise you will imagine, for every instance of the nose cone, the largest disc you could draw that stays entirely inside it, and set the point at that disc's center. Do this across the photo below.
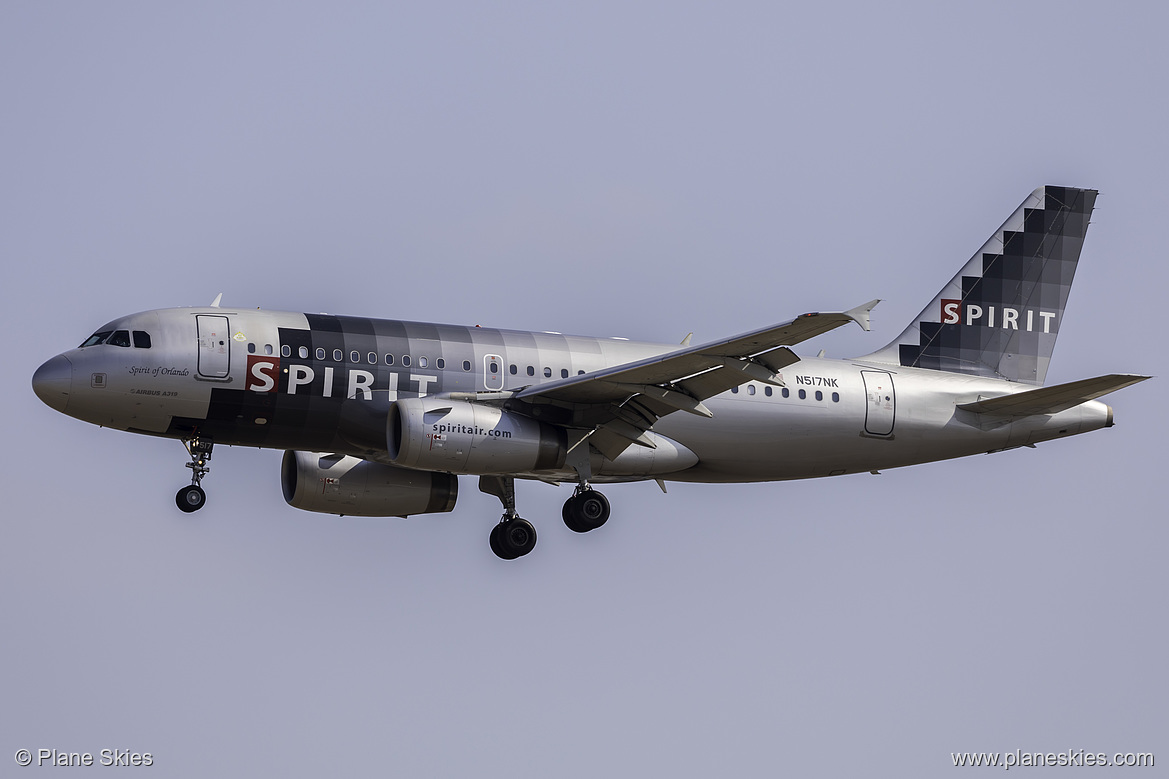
(52, 382)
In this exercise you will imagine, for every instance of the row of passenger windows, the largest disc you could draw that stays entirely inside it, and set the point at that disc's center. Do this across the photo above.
(139, 339)
(371, 358)
(785, 392)
(406, 361)
(531, 371)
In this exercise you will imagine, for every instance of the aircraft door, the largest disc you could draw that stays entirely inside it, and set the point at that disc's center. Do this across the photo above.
(492, 372)
(214, 346)
(880, 402)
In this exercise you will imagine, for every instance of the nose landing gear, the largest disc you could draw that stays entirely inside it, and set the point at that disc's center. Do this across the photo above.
(192, 497)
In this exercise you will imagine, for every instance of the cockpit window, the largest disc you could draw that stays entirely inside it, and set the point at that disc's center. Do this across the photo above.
(96, 338)
(141, 339)
(119, 338)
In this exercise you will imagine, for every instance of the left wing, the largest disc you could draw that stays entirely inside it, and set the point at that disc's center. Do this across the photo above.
(619, 404)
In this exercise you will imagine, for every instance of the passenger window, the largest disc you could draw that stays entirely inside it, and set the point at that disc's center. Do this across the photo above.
(531, 371)
(120, 338)
(564, 373)
(320, 353)
(580, 373)
(141, 339)
(371, 358)
(286, 350)
(355, 356)
(767, 391)
(440, 363)
(803, 394)
(338, 355)
(405, 360)
(251, 348)
(423, 362)
(389, 359)
(303, 352)
(547, 373)
(734, 390)
(785, 392)
(750, 389)
(96, 338)
(819, 395)
(466, 365)
(268, 349)
(835, 397)
(514, 370)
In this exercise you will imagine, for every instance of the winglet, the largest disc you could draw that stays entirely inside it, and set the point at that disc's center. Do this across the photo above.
(686, 340)
(215, 303)
(860, 314)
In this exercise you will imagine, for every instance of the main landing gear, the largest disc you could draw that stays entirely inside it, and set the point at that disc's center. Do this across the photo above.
(515, 536)
(586, 510)
(192, 497)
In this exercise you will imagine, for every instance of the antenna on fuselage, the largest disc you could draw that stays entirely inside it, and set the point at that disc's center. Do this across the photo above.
(215, 303)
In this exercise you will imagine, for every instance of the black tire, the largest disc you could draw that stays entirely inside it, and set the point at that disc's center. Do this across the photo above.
(586, 511)
(191, 498)
(594, 509)
(517, 537)
(569, 513)
(497, 543)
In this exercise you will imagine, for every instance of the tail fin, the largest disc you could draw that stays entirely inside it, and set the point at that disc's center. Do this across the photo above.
(1001, 314)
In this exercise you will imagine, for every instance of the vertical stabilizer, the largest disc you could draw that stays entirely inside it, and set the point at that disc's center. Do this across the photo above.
(1001, 314)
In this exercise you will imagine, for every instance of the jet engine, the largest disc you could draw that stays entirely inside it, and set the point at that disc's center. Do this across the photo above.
(461, 437)
(340, 484)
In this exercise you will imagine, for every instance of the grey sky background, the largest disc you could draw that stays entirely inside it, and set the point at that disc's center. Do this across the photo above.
(633, 169)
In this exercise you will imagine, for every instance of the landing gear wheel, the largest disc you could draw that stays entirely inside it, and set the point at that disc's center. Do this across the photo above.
(513, 538)
(585, 511)
(497, 545)
(191, 498)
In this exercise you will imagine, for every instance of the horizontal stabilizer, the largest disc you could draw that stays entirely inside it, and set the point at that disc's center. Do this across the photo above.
(1052, 400)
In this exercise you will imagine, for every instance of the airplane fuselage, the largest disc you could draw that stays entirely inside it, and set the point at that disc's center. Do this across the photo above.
(315, 382)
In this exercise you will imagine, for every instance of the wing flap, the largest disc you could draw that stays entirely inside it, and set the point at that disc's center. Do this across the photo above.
(1054, 399)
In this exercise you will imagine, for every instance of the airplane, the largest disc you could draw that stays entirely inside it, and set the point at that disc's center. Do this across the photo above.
(380, 417)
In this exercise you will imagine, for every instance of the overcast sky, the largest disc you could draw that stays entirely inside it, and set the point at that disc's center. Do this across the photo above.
(632, 169)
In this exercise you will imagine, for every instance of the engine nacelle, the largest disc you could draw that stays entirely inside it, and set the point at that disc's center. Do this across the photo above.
(340, 484)
(461, 437)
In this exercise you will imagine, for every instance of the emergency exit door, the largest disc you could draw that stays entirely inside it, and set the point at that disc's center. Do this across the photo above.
(492, 372)
(880, 402)
(214, 346)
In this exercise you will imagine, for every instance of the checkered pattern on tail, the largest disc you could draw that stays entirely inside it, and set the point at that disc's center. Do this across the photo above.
(1000, 315)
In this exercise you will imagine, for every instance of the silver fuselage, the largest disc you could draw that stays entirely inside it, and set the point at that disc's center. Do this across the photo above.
(322, 383)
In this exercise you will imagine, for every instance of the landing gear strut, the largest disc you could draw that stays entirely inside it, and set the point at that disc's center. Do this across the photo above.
(586, 510)
(514, 536)
(192, 497)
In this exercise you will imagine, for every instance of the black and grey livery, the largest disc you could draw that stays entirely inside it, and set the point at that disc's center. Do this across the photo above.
(1000, 315)
(381, 417)
(404, 359)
